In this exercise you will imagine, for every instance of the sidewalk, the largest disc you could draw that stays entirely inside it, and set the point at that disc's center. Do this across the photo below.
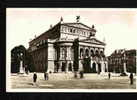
(67, 80)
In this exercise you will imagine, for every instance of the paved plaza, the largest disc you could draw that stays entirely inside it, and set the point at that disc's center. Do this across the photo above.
(67, 81)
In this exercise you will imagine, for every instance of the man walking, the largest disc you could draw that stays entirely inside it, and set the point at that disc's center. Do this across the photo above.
(75, 74)
(46, 76)
(81, 74)
(131, 78)
(34, 77)
(109, 75)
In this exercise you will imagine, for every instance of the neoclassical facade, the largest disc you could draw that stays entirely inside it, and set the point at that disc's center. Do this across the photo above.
(68, 47)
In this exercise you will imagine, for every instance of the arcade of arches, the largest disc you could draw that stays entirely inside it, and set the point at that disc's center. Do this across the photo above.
(92, 60)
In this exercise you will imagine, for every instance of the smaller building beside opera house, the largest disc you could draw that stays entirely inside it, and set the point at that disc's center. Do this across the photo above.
(123, 61)
(68, 47)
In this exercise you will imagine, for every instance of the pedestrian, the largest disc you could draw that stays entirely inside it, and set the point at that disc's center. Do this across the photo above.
(131, 78)
(34, 77)
(26, 70)
(109, 75)
(75, 74)
(81, 74)
(46, 76)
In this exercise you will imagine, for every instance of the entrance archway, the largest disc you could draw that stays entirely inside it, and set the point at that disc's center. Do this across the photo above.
(63, 66)
(94, 67)
(70, 67)
(87, 65)
(99, 68)
(57, 65)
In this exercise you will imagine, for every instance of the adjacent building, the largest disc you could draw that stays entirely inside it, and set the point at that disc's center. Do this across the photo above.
(68, 47)
(123, 60)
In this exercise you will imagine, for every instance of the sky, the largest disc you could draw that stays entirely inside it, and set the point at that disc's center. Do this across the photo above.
(117, 27)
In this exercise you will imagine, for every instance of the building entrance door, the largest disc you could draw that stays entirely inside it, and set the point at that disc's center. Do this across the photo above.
(86, 65)
(70, 67)
(93, 68)
(63, 66)
(57, 67)
(99, 68)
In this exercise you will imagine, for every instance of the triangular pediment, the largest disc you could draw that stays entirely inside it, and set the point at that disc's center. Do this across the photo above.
(93, 41)
(79, 25)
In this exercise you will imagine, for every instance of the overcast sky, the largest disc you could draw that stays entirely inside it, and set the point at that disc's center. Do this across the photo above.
(117, 26)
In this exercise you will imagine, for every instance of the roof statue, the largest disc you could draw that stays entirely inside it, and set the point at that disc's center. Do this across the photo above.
(77, 18)
(51, 26)
(93, 31)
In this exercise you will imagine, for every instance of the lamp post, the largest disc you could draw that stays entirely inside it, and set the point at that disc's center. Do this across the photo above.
(124, 63)
(21, 70)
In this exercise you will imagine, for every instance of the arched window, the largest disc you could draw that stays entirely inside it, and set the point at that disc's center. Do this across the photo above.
(71, 30)
(87, 52)
(81, 52)
(102, 53)
(97, 53)
(91, 52)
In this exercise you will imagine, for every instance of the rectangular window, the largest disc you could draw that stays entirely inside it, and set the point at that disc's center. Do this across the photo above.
(63, 53)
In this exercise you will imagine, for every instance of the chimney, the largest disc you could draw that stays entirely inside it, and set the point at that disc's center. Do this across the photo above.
(50, 26)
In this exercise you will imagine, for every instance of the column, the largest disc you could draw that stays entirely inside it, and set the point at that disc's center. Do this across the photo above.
(91, 63)
(66, 66)
(72, 66)
(102, 67)
(125, 69)
(96, 67)
(124, 65)
(80, 65)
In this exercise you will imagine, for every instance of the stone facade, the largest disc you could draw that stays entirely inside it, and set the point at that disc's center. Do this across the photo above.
(68, 47)
(123, 61)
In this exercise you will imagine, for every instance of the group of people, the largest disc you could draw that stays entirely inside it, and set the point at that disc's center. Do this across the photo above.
(46, 76)
(81, 73)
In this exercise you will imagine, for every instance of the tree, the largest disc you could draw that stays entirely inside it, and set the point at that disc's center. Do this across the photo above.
(25, 57)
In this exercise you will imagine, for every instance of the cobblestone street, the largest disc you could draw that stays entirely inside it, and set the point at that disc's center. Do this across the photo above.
(67, 81)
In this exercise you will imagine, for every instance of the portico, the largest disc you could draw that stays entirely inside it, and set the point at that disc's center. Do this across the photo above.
(91, 56)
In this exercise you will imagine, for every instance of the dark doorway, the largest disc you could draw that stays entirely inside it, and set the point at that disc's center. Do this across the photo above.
(87, 65)
(63, 66)
(94, 67)
(105, 67)
(99, 68)
(57, 67)
(70, 67)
